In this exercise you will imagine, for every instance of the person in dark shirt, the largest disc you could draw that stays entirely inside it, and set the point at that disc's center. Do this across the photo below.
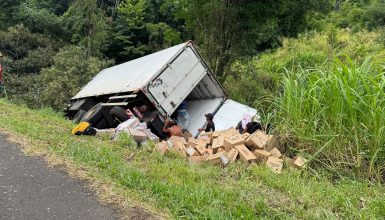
(254, 125)
(210, 126)
(241, 126)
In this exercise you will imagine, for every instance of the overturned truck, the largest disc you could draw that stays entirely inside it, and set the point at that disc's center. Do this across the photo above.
(161, 81)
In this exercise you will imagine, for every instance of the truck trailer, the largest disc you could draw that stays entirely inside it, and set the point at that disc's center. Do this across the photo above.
(161, 81)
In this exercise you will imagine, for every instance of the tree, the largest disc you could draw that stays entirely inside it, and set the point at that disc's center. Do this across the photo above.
(229, 29)
(72, 69)
(88, 26)
(142, 27)
(29, 51)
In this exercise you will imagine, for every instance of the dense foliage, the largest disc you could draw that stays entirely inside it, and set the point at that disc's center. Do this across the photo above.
(122, 30)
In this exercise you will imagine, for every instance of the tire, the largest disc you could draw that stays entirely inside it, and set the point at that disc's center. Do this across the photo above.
(102, 124)
(88, 104)
(118, 114)
(94, 115)
(78, 116)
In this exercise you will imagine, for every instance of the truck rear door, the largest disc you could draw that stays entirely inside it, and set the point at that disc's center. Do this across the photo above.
(174, 84)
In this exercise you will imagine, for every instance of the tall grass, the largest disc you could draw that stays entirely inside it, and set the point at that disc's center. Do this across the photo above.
(337, 116)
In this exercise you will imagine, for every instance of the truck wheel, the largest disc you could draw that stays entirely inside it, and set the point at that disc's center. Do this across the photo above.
(78, 116)
(102, 124)
(118, 113)
(93, 115)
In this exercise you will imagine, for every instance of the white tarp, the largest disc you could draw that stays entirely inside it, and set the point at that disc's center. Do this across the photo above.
(129, 76)
(230, 113)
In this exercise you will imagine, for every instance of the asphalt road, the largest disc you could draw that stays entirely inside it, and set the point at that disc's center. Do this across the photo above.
(29, 189)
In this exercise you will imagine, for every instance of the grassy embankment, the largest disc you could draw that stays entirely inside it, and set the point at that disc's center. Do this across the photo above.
(175, 189)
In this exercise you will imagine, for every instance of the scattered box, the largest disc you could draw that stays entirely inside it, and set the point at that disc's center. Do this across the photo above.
(288, 162)
(300, 162)
(221, 149)
(245, 135)
(218, 143)
(275, 164)
(191, 151)
(180, 148)
(192, 142)
(245, 154)
(198, 159)
(216, 134)
(205, 140)
(162, 147)
(231, 132)
(262, 156)
(272, 142)
(233, 154)
(276, 153)
(187, 135)
(209, 151)
(233, 141)
(219, 158)
(260, 139)
(201, 149)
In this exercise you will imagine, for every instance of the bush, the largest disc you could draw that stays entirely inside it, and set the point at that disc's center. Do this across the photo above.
(260, 76)
(71, 70)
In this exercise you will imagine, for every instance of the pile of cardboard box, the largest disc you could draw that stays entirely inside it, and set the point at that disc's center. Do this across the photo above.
(225, 147)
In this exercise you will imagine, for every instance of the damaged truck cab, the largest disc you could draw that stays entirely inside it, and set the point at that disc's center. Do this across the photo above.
(161, 81)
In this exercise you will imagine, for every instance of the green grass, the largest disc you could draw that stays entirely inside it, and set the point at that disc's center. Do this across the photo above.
(195, 192)
(338, 116)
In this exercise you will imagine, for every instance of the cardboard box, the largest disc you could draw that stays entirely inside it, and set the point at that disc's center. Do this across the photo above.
(186, 135)
(219, 158)
(245, 136)
(300, 162)
(233, 141)
(205, 140)
(272, 142)
(209, 151)
(262, 156)
(192, 152)
(198, 159)
(216, 134)
(245, 154)
(231, 132)
(260, 139)
(192, 142)
(176, 139)
(206, 134)
(201, 149)
(218, 143)
(180, 148)
(288, 162)
(276, 153)
(221, 149)
(162, 147)
(275, 164)
(233, 154)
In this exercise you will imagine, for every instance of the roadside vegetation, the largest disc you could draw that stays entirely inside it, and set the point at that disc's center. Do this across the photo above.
(314, 70)
(179, 190)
